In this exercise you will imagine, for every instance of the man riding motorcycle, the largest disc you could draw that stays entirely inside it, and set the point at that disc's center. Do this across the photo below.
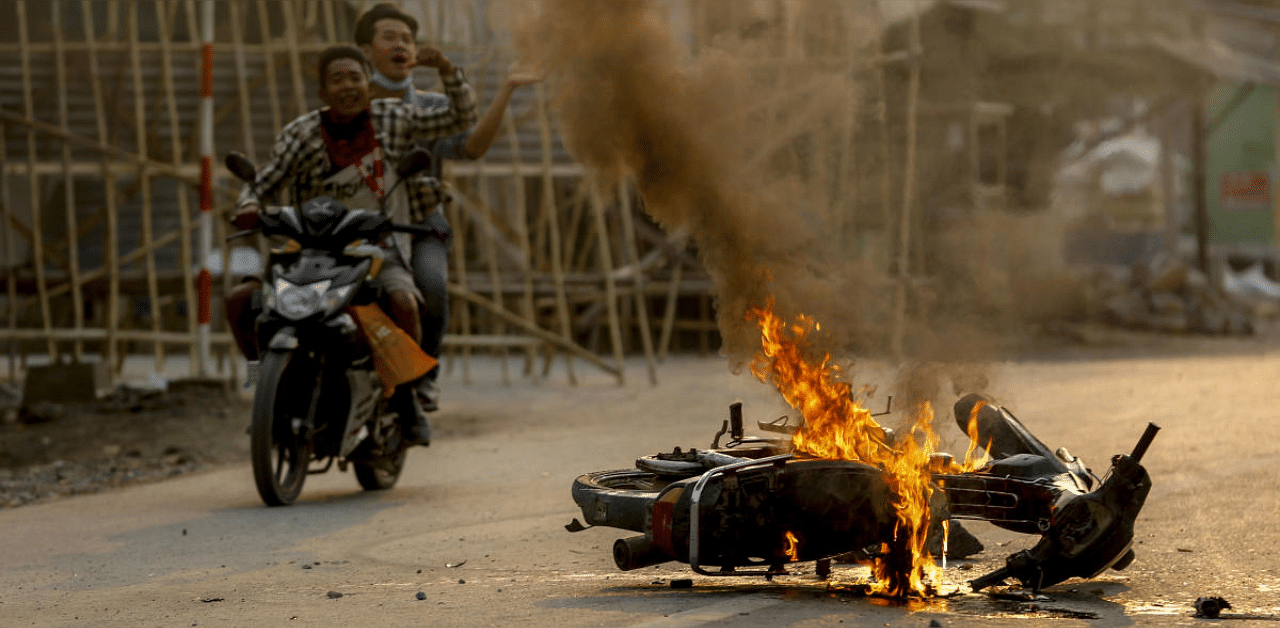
(342, 150)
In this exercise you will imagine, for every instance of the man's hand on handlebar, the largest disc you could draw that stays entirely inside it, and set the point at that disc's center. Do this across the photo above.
(246, 217)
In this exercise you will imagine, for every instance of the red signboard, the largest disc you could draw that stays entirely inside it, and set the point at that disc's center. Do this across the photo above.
(1245, 190)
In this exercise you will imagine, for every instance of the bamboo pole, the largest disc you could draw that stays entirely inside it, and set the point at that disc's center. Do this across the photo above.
(109, 182)
(242, 82)
(184, 206)
(633, 258)
(68, 181)
(33, 182)
(140, 127)
(459, 258)
(495, 280)
(330, 27)
(295, 60)
(669, 315)
(605, 257)
(564, 342)
(521, 222)
(6, 200)
(269, 65)
(908, 192)
(553, 224)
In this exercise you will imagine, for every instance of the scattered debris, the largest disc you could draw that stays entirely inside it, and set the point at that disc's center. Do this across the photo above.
(1211, 607)
(456, 565)
(307, 566)
(1168, 295)
(207, 600)
(333, 595)
(933, 623)
(421, 595)
(461, 581)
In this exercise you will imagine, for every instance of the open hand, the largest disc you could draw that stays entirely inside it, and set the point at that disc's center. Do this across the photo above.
(519, 73)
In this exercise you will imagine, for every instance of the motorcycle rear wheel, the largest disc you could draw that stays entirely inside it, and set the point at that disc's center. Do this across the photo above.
(279, 454)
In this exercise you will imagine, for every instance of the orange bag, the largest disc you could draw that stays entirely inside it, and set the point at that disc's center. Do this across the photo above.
(396, 357)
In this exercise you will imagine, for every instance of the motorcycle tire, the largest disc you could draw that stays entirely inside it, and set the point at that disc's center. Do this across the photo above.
(280, 458)
(618, 499)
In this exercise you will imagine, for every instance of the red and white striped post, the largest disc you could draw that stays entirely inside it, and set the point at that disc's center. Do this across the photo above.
(204, 283)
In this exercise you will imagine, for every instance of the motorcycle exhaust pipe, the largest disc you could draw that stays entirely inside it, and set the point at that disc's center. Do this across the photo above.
(637, 552)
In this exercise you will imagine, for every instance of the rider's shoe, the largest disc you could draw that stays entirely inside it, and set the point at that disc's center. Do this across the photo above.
(428, 394)
(419, 431)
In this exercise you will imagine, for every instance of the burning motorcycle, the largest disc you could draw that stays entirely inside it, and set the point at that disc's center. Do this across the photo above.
(753, 506)
(329, 382)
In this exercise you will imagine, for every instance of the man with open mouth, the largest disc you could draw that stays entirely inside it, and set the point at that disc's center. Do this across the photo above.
(388, 36)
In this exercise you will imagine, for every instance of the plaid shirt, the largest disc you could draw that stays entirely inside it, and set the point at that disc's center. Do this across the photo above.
(299, 160)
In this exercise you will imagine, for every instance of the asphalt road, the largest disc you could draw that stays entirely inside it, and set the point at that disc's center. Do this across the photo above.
(476, 522)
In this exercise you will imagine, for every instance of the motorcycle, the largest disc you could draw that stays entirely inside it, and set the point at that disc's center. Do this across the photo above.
(753, 506)
(329, 383)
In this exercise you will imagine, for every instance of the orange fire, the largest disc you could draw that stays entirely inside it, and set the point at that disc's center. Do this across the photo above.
(793, 547)
(837, 427)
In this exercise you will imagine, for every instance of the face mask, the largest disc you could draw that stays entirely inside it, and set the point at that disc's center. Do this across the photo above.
(387, 83)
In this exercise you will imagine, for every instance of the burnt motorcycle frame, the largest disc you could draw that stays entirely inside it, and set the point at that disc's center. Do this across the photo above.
(736, 513)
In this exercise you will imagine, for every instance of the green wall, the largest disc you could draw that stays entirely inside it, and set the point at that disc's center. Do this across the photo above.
(1244, 142)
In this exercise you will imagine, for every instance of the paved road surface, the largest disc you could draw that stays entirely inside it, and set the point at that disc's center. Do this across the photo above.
(476, 523)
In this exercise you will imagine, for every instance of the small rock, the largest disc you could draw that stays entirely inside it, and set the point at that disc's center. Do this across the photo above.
(307, 566)
(421, 595)
(333, 595)
(933, 623)
(1210, 607)
(461, 581)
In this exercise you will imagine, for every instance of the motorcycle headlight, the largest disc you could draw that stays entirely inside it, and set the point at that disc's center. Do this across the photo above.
(296, 302)
(336, 298)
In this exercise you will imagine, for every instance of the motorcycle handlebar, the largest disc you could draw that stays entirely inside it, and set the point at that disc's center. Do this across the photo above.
(414, 229)
(1140, 449)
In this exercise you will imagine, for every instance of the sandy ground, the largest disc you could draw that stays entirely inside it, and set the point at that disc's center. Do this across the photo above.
(476, 523)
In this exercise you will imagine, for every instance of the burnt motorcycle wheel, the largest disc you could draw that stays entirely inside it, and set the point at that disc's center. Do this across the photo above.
(280, 454)
(618, 499)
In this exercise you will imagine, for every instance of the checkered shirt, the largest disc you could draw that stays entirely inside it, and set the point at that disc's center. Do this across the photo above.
(299, 161)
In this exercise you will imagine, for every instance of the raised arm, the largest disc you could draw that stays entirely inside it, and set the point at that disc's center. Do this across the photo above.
(486, 130)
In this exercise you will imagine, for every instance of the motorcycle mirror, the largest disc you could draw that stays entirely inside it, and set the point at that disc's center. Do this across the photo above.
(413, 162)
(241, 166)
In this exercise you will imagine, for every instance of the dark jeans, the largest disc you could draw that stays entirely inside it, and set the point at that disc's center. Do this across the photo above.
(431, 274)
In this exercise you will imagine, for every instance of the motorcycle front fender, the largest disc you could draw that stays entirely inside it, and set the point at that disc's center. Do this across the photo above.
(285, 339)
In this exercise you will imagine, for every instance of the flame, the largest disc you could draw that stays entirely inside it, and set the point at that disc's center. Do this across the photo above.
(793, 547)
(837, 427)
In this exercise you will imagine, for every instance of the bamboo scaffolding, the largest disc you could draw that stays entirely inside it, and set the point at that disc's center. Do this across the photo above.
(68, 181)
(184, 206)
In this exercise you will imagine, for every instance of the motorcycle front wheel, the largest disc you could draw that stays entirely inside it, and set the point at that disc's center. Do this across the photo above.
(279, 451)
